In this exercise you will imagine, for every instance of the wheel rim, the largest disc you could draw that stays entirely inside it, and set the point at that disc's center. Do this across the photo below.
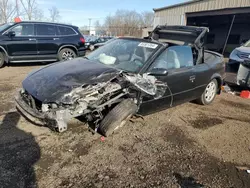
(210, 91)
(68, 55)
(91, 47)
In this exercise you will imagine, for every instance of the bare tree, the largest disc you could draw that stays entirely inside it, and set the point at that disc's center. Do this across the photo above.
(100, 30)
(17, 8)
(38, 15)
(124, 22)
(7, 10)
(31, 9)
(54, 14)
(147, 18)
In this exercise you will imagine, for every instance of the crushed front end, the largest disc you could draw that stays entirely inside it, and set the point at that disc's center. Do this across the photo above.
(93, 101)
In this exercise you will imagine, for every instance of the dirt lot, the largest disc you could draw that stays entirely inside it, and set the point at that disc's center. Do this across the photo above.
(186, 146)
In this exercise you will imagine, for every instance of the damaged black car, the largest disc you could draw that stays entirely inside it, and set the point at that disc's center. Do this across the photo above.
(127, 76)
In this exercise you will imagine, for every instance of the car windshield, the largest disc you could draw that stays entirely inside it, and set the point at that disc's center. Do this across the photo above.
(4, 26)
(247, 44)
(126, 54)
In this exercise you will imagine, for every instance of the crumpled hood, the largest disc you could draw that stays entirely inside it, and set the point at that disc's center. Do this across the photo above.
(50, 83)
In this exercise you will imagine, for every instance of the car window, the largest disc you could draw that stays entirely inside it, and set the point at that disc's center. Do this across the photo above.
(5, 26)
(44, 30)
(24, 30)
(66, 30)
(129, 55)
(174, 57)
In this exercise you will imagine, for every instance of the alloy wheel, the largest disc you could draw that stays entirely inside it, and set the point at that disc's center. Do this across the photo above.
(210, 91)
(68, 55)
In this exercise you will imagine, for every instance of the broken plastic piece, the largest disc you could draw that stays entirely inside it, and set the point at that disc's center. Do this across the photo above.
(226, 88)
(148, 84)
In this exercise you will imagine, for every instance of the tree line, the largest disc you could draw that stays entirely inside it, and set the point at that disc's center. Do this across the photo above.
(121, 23)
(124, 22)
(27, 9)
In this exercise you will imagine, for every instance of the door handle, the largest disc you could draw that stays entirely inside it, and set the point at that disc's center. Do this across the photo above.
(55, 38)
(192, 78)
(32, 39)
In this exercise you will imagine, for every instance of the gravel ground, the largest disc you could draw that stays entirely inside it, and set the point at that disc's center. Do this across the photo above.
(186, 146)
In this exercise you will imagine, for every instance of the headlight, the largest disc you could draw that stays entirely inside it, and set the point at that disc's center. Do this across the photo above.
(234, 53)
(87, 43)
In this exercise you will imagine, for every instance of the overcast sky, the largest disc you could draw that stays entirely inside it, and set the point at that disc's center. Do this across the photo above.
(77, 12)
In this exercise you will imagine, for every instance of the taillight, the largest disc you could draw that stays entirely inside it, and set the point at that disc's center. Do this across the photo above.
(82, 40)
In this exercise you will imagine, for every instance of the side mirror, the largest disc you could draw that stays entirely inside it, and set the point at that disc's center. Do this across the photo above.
(158, 72)
(11, 34)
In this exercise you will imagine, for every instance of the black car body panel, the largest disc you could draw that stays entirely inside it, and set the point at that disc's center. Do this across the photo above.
(39, 41)
(50, 83)
(86, 87)
(186, 34)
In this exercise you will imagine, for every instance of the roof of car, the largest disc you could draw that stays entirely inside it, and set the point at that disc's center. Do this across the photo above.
(143, 40)
(47, 23)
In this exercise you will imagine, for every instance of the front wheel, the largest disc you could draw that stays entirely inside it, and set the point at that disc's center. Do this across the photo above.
(209, 94)
(117, 117)
(66, 54)
(2, 59)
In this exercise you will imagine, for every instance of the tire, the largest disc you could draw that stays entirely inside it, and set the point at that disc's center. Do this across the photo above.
(91, 47)
(209, 94)
(117, 117)
(2, 59)
(66, 54)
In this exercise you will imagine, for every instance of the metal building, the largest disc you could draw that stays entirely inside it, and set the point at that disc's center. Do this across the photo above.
(228, 20)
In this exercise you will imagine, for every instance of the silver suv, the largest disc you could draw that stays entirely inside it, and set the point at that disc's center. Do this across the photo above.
(240, 54)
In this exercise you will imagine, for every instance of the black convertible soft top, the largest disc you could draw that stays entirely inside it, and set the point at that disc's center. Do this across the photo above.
(187, 35)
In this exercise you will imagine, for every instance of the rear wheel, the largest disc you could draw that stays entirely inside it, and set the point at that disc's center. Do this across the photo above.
(2, 59)
(66, 54)
(209, 94)
(117, 117)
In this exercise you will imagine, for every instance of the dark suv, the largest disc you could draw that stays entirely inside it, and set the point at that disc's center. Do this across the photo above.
(39, 42)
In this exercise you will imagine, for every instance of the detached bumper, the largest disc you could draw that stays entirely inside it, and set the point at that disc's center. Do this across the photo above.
(57, 119)
(31, 114)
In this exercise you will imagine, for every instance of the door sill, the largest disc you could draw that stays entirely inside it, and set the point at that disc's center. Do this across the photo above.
(28, 61)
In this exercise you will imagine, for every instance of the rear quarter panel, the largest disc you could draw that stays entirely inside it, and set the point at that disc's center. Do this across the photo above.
(212, 68)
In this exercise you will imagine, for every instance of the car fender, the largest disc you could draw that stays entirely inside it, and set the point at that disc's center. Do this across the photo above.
(219, 79)
(6, 53)
(68, 45)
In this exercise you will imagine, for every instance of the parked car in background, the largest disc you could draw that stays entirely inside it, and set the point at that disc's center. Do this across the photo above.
(240, 54)
(92, 42)
(240, 59)
(124, 77)
(39, 42)
(97, 45)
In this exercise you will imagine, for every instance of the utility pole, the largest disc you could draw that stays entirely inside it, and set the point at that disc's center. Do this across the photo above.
(89, 24)
(17, 9)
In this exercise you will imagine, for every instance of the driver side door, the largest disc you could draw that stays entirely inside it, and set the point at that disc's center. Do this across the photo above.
(23, 45)
(178, 61)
